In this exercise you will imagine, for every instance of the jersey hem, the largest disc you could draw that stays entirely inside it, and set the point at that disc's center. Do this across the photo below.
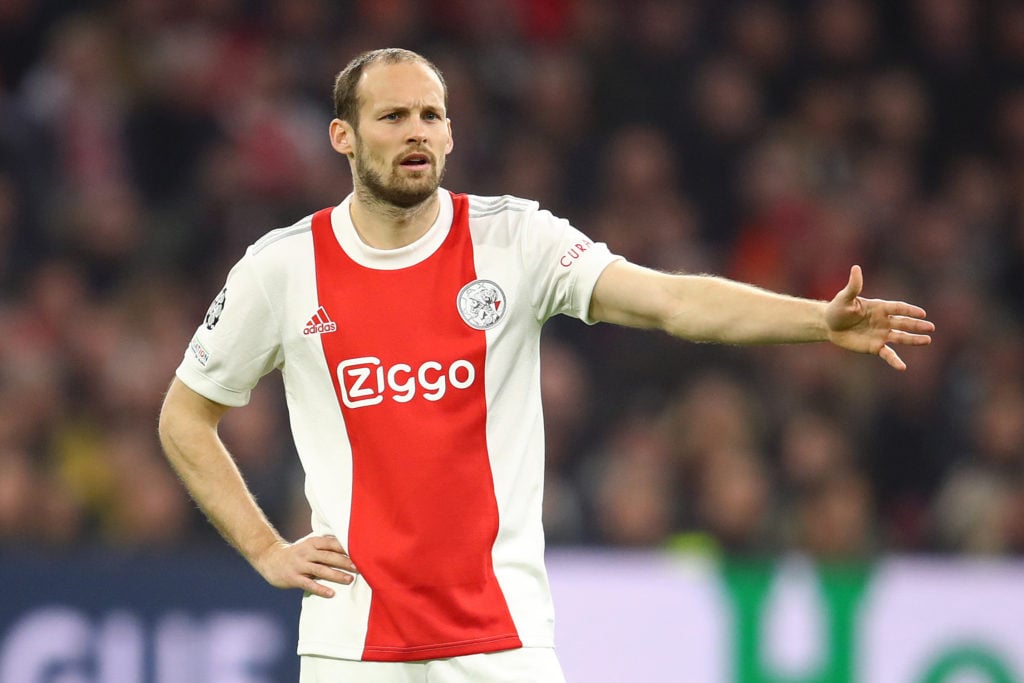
(595, 273)
(206, 387)
(416, 653)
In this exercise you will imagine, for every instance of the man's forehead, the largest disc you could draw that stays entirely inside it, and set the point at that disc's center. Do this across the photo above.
(402, 83)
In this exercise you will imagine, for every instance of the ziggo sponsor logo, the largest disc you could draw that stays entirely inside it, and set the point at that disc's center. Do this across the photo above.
(365, 381)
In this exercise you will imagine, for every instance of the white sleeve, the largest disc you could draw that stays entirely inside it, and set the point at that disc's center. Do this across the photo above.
(237, 343)
(563, 264)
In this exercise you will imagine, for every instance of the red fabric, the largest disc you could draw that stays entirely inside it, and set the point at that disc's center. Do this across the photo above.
(424, 515)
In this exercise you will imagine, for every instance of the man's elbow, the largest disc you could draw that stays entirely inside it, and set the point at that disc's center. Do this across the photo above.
(169, 421)
(185, 410)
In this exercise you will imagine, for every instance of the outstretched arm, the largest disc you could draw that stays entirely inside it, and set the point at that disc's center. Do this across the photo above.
(712, 309)
(188, 432)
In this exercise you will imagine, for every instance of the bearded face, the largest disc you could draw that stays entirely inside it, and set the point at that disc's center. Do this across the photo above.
(399, 144)
(404, 181)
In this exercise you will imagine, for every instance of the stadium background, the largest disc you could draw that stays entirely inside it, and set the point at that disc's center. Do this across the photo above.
(145, 143)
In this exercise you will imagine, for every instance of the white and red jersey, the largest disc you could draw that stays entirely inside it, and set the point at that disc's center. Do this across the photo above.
(412, 378)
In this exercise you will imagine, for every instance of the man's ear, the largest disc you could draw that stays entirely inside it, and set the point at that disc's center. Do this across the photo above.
(342, 136)
(451, 140)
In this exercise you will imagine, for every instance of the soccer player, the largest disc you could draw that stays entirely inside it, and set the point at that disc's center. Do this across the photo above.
(406, 323)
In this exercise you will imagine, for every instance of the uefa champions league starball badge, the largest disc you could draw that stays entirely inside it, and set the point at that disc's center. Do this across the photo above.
(216, 308)
(481, 304)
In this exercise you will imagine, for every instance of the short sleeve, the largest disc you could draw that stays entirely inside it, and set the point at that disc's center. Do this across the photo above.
(564, 265)
(237, 342)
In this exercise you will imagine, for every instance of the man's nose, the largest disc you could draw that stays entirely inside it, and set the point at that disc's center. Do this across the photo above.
(417, 131)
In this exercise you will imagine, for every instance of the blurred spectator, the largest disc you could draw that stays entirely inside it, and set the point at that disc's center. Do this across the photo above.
(634, 500)
(144, 145)
(566, 393)
(78, 93)
(976, 509)
(834, 520)
(640, 213)
(17, 487)
(844, 36)
(735, 507)
(812, 448)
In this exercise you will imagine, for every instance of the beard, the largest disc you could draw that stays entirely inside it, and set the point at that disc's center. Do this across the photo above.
(388, 187)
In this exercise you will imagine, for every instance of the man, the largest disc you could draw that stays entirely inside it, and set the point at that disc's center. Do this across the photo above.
(406, 324)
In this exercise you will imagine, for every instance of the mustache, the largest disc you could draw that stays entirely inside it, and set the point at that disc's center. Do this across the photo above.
(418, 149)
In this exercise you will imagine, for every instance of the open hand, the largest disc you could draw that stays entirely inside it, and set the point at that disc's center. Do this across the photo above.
(298, 565)
(871, 325)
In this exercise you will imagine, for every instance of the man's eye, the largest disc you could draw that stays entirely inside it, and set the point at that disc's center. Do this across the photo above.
(431, 116)
(393, 116)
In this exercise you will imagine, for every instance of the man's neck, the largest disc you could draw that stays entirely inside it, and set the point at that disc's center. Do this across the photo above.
(386, 226)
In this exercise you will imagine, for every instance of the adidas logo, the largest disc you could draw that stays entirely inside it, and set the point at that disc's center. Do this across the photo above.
(320, 323)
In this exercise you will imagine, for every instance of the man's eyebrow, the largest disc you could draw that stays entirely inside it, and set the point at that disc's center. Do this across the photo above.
(405, 107)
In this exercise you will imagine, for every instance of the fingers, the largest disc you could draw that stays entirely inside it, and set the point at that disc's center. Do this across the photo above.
(902, 308)
(310, 586)
(907, 324)
(327, 559)
(315, 559)
(906, 339)
(871, 325)
(892, 358)
(325, 543)
(311, 581)
(333, 559)
(853, 288)
(909, 331)
(906, 331)
(329, 551)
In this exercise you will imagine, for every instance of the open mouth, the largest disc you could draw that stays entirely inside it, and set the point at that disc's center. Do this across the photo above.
(415, 161)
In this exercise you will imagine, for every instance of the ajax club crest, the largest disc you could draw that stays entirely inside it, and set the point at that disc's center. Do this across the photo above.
(481, 304)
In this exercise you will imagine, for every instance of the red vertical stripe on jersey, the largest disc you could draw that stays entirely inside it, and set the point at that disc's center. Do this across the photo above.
(424, 515)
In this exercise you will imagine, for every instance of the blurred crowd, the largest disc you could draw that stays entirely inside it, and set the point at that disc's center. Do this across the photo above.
(145, 143)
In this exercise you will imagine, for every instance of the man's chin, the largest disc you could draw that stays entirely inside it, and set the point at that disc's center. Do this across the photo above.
(410, 192)
(402, 193)
(408, 197)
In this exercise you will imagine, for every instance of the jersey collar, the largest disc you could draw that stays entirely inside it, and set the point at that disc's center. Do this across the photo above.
(391, 259)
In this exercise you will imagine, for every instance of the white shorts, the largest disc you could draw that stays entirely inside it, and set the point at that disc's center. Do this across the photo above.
(523, 665)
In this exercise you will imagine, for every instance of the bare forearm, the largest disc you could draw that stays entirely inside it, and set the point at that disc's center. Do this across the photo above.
(209, 473)
(188, 431)
(704, 308)
(714, 309)
(711, 309)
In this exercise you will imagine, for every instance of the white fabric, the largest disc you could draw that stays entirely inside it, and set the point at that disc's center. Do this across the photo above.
(525, 665)
(543, 265)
